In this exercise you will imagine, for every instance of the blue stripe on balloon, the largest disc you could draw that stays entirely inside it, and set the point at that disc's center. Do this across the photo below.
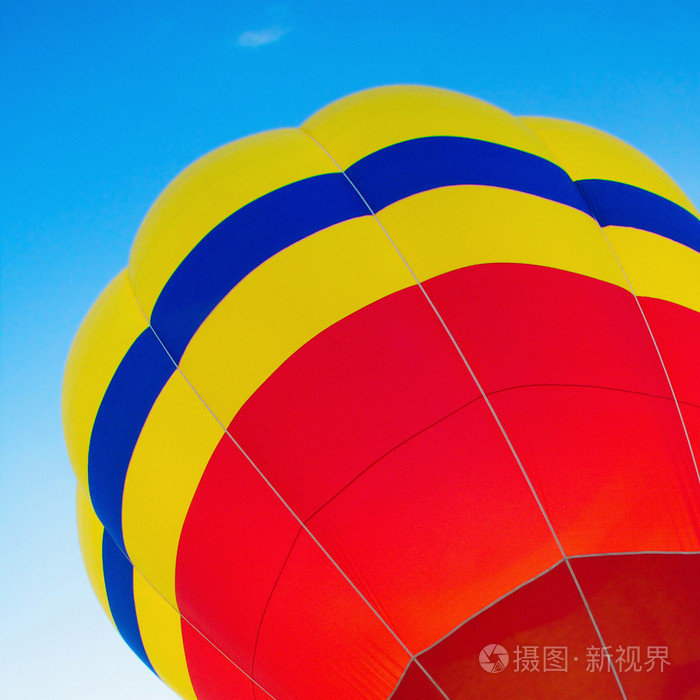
(618, 204)
(406, 168)
(134, 388)
(240, 243)
(119, 582)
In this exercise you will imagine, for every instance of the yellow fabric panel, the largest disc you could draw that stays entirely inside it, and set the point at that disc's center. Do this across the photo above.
(104, 337)
(284, 303)
(90, 533)
(640, 251)
(454, 227)
(161, 633)
(586, 153)
(168, 461)
(360, 124)
(210, 190)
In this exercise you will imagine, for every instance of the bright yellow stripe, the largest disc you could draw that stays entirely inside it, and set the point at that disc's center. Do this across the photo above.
(161, 633)
(676, 279)
(107, 332)
(283, 304)
(168, 461)
(210, 190)
(363, 123)
(586, 153)
(90, 533)
(454, 227)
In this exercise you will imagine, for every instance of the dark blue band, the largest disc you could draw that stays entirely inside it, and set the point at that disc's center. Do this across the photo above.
(119, 582)
(406, 168)
(618, 204)
(131, 393)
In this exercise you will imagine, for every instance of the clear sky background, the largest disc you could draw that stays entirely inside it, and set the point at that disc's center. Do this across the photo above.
(102, 104)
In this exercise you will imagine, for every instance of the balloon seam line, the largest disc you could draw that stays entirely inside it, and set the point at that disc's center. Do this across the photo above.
(447, 416)
(632, 553)
(494, 602)
(488, 403)
(269, 598)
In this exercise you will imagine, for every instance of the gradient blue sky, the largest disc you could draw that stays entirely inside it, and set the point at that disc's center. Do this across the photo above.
(104, 103)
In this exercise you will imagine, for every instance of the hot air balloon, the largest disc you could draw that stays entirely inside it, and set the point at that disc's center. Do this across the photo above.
(402, 403)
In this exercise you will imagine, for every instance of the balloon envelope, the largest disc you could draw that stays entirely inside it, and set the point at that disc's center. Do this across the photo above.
(402, 402)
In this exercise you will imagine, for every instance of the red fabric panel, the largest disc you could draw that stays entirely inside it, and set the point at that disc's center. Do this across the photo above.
(548, 612)
(612, 469)
(416, 686)
(439, 528)
(319, 639)
(349, 396)
(234, 542)
(212, 675)
(523, 324)
(648, 600)
(677, 333)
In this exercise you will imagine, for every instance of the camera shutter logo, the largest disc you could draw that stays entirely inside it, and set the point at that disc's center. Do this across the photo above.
(493, 658)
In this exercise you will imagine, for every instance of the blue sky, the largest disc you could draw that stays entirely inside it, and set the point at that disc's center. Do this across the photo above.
(104, 103)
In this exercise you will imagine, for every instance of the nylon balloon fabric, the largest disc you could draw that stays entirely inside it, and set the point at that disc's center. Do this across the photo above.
(402, 403)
